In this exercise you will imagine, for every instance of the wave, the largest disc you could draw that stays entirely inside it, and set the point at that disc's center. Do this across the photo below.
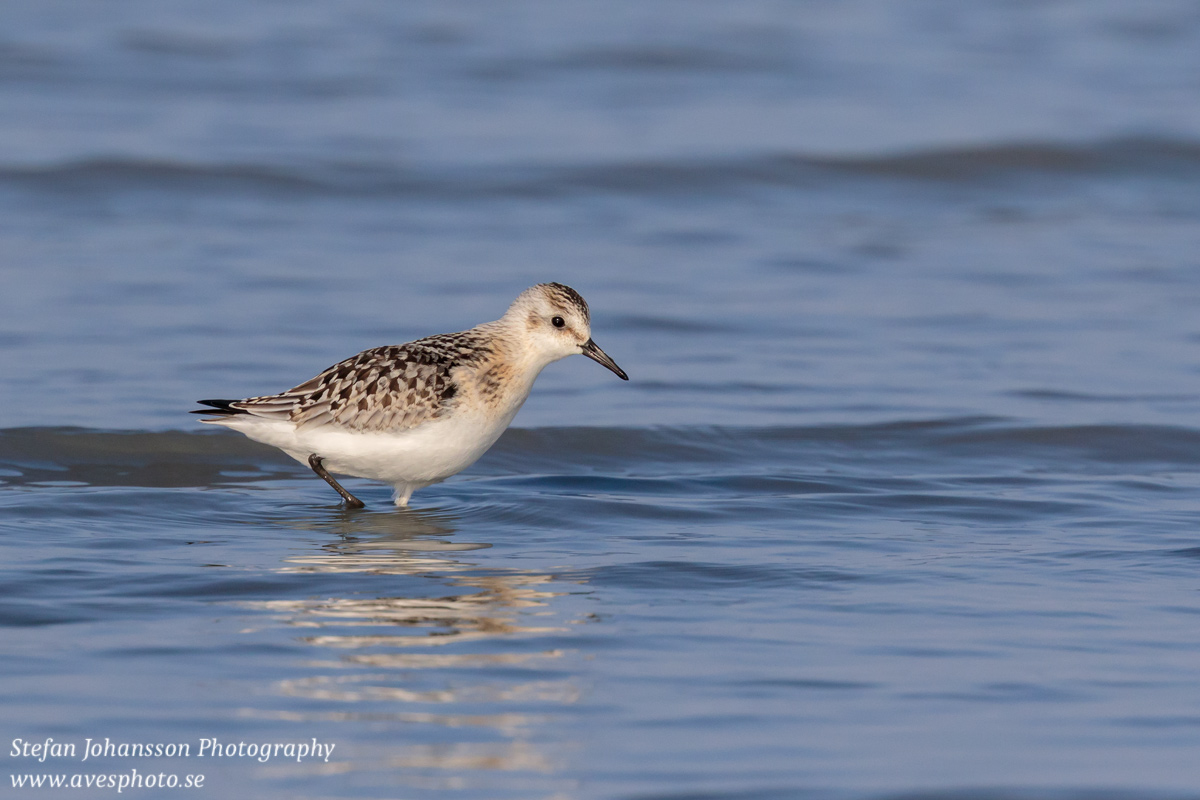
(179, 458)
(1156, 157)
(132, 458)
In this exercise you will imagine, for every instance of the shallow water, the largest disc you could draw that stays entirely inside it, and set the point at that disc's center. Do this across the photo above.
(901, 500)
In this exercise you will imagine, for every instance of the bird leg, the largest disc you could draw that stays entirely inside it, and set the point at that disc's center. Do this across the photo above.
(403, 492)
(314, 461)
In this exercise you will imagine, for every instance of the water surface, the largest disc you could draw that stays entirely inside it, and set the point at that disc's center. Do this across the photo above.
(901, 500)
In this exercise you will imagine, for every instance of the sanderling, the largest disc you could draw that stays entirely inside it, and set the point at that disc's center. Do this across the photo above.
(415, 414)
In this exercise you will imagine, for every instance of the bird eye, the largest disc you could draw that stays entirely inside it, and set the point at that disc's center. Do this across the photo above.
(558, 322)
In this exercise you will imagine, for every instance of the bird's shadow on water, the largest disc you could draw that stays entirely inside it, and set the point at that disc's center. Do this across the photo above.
(406, 632)
(418, 543)
(403, 529)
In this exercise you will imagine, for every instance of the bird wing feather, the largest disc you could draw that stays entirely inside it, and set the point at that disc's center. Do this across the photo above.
(391, 388)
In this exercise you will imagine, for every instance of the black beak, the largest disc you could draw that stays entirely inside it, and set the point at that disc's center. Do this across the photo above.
(592, 351)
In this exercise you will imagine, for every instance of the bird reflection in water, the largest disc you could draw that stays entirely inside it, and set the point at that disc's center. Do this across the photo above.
(448, 660)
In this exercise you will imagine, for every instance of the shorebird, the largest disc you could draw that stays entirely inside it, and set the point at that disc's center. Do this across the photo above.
(414, 414)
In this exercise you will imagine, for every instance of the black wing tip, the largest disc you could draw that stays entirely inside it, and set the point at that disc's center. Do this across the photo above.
(218, 408)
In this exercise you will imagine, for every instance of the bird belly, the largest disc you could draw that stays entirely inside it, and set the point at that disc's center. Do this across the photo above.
(429, 453)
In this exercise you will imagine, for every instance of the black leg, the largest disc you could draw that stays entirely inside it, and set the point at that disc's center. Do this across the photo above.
(314, 461)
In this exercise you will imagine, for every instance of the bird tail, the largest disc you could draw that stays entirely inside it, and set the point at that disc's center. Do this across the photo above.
(218, 408)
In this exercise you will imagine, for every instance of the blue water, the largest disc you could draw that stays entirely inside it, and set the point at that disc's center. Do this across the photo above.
(902, 500)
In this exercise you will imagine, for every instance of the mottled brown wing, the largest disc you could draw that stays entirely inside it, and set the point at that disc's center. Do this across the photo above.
(391, 388)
